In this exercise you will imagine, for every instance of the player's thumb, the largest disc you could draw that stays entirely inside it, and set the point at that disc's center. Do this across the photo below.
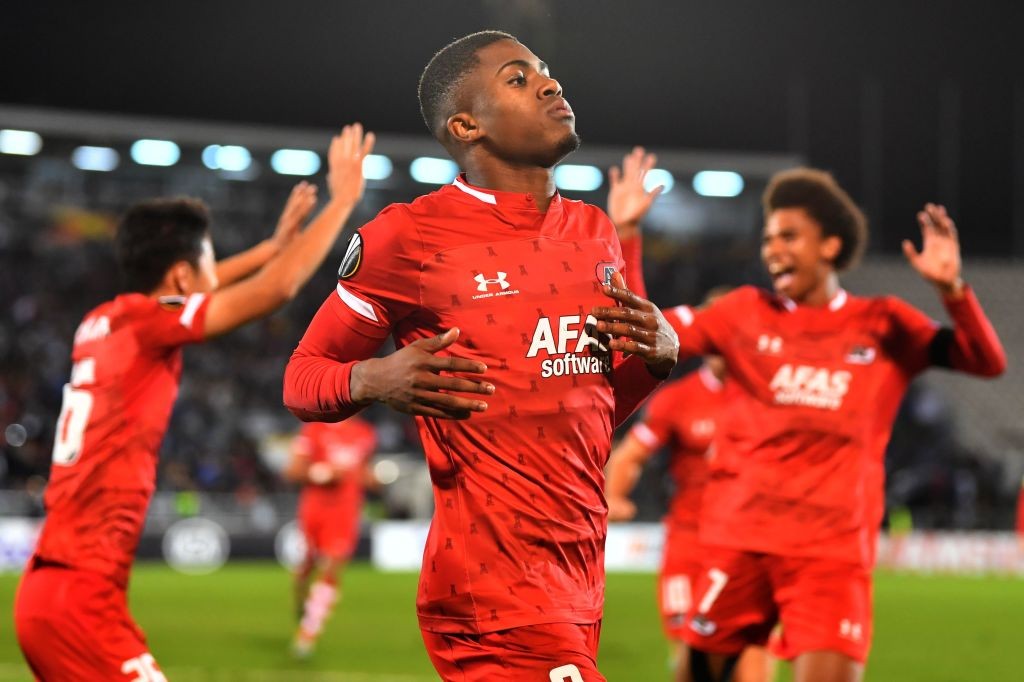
(909, 251)
(618, 281)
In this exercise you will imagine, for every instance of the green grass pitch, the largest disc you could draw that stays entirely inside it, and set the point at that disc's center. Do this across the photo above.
(235, 625)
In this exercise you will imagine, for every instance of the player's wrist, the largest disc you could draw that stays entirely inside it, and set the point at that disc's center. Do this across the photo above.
(360, 390)
(952, 290)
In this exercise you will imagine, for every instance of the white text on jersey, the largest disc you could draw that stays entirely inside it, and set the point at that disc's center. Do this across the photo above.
(810, 386)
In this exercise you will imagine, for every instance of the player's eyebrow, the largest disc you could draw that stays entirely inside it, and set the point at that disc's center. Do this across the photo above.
(542, 67)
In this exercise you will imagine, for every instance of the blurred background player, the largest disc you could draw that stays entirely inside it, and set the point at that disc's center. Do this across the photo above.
(794, 498)
(500, 271)
(331, 461)
(680, 416)
(71, 610)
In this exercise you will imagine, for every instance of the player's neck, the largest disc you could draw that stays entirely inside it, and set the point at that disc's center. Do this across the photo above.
(503, 177)
(822, 294)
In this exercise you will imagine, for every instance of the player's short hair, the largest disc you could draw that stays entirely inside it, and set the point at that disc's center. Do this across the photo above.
(818, 193)
(155, 234)
(445, 73)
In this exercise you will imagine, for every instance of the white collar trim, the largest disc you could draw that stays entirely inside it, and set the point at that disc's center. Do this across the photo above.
(712, 382)
(482, 196)
(837, 302)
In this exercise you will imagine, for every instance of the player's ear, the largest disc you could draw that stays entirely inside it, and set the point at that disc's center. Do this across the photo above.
(180, 277)
(464, 128)
(831, 246)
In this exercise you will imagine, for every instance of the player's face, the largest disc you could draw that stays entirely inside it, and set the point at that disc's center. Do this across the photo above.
(797, 255)
(519, 107)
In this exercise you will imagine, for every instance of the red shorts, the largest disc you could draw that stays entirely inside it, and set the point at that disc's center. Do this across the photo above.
(550, 652)
(74, 625)
(327, 535)
(823, 604)
(680, 565)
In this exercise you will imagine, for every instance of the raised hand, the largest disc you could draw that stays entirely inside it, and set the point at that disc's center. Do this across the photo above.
(637, 327)
(345, 163)
(296, 210)
(628, 201)
(410, 380)
(938, 261)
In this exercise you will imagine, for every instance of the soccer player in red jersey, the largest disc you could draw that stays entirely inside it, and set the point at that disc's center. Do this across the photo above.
(486, 286)
(680, 416)
(331, 461)
(71, 610)
(794, 498)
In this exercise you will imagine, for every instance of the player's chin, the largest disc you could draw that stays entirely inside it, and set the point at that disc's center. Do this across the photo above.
(566, 143)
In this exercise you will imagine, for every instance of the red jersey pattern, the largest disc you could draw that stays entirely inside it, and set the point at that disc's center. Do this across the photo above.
(813, 392)
(520, 518)
(334, 509)
(126, 368)
(682, 416)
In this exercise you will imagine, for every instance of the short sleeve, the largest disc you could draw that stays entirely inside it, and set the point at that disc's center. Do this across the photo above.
(174, 323)
(708, 329)
(909, 335)
(379, 277)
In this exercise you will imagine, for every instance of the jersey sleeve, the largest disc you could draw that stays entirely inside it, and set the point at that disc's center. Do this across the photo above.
(706, 330)
(175, 325)
(378, 286)
(633, 265)
(655, 428)
(971, 345)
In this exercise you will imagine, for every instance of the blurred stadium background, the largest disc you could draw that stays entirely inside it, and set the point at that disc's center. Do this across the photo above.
(905, 102)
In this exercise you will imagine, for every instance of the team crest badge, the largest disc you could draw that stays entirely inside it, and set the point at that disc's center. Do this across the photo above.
(861, 355)
(604, 271)
(353, 257)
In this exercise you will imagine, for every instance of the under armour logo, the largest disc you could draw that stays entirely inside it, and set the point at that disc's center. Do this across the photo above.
(483, 282)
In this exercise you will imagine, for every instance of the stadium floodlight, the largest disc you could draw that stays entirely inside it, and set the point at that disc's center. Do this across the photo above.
(377, 167)
(229, 157)
(433, 171)
(92, 158)
(659, 176)
(295, 162)
(20, 142)
(578, 178)
(718, 183)
(155, 153)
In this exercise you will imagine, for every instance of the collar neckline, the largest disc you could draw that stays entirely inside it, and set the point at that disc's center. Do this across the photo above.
(837, 302)
(501, 199)
(711, 382)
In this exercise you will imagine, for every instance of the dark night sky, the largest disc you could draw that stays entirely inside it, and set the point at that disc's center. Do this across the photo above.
(904, 100)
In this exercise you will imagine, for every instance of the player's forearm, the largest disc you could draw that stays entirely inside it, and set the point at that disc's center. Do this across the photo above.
(234, 268)
(632, 382)
(633, 272)
(317, 388)
(975, 347)
(299, 260)
(624, 466)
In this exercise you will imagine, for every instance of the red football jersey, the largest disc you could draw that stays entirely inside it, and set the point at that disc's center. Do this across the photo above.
(520, 517)
(347, 446)
(126, 367)
(681, 416)
(812, 395)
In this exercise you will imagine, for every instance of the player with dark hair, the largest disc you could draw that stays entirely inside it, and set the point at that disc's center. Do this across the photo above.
(794, 499)
(331, 461)
(494, 274)
(71, 611)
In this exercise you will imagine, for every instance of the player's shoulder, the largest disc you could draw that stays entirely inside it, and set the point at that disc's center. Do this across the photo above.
(747, 297)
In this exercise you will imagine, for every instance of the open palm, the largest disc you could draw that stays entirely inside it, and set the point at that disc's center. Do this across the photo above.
(938, 261)
(628, 201)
